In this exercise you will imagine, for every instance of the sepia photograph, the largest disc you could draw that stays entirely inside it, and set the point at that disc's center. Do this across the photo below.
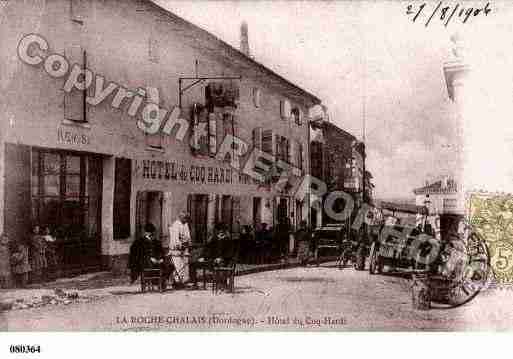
(255, 166)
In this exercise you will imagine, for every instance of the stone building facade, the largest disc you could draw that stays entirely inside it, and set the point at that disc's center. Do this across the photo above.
(90, 167)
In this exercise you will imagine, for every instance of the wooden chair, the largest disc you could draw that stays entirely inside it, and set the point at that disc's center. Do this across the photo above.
(151, 278)
(224, 278)
(224, 274)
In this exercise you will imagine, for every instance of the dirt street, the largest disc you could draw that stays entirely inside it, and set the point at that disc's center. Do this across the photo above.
(313, 298)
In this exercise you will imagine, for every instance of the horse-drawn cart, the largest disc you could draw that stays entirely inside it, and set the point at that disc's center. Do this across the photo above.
(448, 261)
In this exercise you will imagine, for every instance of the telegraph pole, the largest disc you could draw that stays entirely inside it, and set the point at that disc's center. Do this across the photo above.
(364, 97)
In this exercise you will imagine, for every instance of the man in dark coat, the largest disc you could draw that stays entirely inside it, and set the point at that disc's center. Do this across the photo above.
(147, 252)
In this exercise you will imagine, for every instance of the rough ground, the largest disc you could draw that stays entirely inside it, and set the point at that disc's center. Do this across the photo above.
(290, 299)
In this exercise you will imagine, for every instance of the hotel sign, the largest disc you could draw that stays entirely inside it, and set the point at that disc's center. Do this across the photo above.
(181, 172)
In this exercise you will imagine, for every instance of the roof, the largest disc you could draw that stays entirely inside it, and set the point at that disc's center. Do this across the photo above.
(403, 207)
(437, 187)
(332, 126)
(234, 52)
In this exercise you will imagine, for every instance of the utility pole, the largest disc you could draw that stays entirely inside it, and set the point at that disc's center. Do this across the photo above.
(364, 97)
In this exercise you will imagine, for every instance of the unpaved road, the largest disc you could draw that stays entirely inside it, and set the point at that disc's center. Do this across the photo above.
(310, 298)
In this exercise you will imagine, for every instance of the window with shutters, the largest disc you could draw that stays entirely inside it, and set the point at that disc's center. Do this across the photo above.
(153, 49)
(257, 96)
(282, 148)
(122, 193)
(267, 141)
(153, 141)
(285, 109)
(214, 127)
(227, 128)
(75, 100)
(297, 116)
(200, 130)
(257, 138)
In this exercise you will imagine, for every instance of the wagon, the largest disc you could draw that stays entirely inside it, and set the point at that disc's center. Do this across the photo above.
(453, 259)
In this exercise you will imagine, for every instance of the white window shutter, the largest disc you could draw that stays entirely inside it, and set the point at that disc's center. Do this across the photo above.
(285, 109)
(213, 130)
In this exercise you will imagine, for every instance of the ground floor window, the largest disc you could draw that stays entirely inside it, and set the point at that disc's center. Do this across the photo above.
(66, 193)
(66, 199)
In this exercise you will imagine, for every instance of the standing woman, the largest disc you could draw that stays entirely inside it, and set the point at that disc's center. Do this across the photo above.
(51, 254)
(38, 255)
(20, 264)
(5, 267)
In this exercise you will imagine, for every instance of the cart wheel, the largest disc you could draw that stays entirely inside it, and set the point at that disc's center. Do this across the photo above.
(475, 276)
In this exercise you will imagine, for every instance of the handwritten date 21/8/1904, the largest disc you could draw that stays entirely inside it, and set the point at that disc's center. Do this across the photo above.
(446, 13)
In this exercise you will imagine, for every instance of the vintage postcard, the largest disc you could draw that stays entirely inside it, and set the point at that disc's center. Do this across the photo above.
(255, 166)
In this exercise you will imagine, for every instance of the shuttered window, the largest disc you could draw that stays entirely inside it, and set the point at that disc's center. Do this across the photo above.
(268, 142)
(214, 128)
(297, 116)
(122, 193)
(257, 138)
(74, 101)
(153, 140)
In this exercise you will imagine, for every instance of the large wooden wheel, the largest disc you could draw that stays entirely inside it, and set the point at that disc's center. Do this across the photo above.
(473, 274)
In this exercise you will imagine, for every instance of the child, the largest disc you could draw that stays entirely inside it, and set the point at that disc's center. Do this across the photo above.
(39, 262)
(20, 265)
(5, 268)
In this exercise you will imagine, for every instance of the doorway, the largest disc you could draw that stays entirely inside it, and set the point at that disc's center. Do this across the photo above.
(149, 210)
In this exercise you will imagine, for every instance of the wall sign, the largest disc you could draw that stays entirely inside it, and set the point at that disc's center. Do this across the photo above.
(181, 172)
(72, 138)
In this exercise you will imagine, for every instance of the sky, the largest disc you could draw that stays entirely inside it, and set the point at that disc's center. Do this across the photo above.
(371, 58)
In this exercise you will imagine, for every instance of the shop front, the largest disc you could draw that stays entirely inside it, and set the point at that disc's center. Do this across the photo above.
(61, 192)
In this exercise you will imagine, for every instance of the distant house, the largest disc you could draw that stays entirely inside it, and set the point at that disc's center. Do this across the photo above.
(440, 196)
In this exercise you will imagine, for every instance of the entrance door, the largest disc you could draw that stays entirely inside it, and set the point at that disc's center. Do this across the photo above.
(282, 210)
(149, 210)
(197, 206)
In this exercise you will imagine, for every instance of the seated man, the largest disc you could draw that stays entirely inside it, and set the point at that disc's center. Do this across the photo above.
(147, 252)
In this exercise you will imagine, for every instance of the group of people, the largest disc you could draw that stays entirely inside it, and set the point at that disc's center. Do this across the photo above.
(180, 260)
(148, 251)
(27, 261)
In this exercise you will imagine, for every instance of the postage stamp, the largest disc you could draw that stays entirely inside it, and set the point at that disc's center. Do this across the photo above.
(492, 217)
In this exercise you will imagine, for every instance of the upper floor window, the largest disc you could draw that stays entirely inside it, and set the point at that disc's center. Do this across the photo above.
(297, 115)
(153, 141)
(257, 96)
(75, 100)
(285, 109)
(153, 49)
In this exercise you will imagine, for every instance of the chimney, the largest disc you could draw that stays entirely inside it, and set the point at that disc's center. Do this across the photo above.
(244, 40)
